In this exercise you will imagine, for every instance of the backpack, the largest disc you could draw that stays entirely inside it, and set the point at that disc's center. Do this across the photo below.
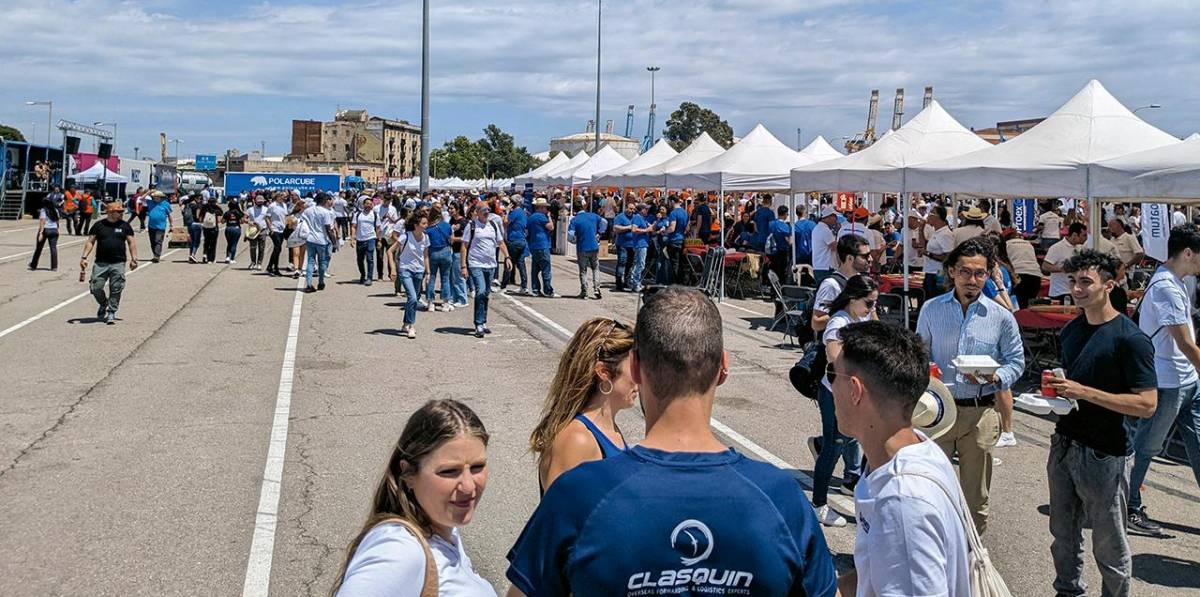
(1137, 312)
(806, 374)
(210, 219)
(804, 330)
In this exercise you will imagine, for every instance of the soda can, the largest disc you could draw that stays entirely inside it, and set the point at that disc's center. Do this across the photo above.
(1047, 389)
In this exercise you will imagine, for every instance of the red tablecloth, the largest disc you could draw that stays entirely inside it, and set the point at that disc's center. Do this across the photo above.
(1045, 289)
(1043, 320)
(731, 258)
(889, 281)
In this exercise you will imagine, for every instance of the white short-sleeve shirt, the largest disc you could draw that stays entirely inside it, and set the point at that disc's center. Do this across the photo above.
(1166, 304)
(822, 255)
(1051, 225)
(1057, 254)
(941, 243)
(390, 562)
(411, 254)
(910, 539)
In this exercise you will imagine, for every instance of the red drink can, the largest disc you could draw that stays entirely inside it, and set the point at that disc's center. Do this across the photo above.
(935, 371)
(1047, 389)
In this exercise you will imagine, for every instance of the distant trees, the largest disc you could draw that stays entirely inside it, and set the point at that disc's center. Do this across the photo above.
(495, 155)
(10, 133)
(690, 121)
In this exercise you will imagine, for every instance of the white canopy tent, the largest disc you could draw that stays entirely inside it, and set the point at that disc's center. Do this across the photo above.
(558, 161)
(759, 162)
(702, 149)
(605, 159)
(98, 173)
(1168, 172)
(820, 150)
(542, 179)
(931, 135)
(1050, 159)
(661, 152)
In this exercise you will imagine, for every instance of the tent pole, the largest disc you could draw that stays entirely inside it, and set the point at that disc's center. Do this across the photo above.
(721, 266)
(1093, 210)
(905, 236)
(795, 221)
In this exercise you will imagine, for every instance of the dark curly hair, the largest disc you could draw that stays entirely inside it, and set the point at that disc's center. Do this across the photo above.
(973, 247)
(1105, 265)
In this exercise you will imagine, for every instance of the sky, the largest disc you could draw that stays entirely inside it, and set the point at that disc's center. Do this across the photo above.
(221, 74)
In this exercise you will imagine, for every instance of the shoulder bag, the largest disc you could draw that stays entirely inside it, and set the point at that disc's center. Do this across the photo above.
(985, 579)
(430, 587)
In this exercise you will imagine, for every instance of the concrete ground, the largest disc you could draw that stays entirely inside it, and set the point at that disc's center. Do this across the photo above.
(132, 457)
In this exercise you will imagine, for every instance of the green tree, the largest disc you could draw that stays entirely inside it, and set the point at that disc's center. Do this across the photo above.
(495, 156)
(10, 134)
(690, 120)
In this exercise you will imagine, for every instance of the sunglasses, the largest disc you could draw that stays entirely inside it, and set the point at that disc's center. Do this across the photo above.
(615, 324)
(870, 303)
(830, 373)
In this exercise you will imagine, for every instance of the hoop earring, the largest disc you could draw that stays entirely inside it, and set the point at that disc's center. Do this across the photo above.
(610, 387)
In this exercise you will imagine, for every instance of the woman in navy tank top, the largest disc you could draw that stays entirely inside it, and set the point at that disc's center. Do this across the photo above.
(591, 386)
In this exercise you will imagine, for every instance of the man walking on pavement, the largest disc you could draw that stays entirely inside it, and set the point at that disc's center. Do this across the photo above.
(276, 214)
(541, 229)
(964, 322)
(158, 211)
(322, 238)
(587, 227)
(1109, 366)
(516, 241)
(110, 237)
(623, 230)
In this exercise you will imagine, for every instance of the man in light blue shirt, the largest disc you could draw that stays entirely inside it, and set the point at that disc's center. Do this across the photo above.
(961, 323)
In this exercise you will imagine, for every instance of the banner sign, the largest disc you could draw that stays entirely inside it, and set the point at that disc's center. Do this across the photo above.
(206, 163)
(166, 178)
(236, 182)
(1156, 227)
(1024, 216)
(845, 201)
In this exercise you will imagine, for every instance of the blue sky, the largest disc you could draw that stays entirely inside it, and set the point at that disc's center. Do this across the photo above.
(224, 74)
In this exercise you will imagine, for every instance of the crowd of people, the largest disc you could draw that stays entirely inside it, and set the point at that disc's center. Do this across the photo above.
(1131, 377)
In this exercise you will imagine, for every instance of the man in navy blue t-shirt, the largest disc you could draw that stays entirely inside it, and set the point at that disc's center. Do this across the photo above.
(586, 227)
(677, 222)
(517, 243)
(763, 216)
(540, 229)
(680, 514)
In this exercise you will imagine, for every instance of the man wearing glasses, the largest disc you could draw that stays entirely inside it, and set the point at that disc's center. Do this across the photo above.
(964, 322)
(854, 257)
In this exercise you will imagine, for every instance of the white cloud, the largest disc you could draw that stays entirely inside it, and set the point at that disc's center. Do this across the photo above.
(785, 63)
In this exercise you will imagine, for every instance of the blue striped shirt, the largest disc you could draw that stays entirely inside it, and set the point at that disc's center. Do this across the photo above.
(986, 328)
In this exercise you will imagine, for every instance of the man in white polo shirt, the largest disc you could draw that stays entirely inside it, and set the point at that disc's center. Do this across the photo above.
(824, 242)
(937, 246)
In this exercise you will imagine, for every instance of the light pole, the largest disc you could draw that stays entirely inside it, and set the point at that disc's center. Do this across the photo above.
(653, 104)
(424, 186)
(1148, 106)
(49, 115)
(114, 137)
(799, 139)
(135, 152)
(33, 135)
(177, 142)
(599, 15)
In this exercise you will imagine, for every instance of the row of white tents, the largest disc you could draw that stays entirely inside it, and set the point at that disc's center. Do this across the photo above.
(453, 184)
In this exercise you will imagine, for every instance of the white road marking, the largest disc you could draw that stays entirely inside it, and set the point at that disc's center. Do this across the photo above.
(71, 300)
(843, 504)
(30, 252)
(18, 229)
(262, 547)
(745, 309)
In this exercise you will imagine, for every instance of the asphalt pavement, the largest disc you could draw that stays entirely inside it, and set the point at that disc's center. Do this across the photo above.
(133, 456)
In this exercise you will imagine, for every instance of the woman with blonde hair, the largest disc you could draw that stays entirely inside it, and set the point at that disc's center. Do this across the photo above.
(410, 545)
(297, 237)
(591, 385)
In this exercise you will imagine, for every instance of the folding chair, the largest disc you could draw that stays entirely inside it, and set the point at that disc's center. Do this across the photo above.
(890, 309)
(695, 269)
(790, 300)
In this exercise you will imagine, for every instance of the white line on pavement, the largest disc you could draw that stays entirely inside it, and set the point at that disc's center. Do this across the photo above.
(843, 504)
(18, 229)
(30, 252)
(262, 547)
(71, 300)
(744, 309)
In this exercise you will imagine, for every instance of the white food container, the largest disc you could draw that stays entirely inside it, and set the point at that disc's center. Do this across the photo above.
(1044, 405)
(975, 364)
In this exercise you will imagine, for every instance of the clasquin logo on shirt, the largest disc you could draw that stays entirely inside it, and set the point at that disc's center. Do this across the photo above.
(693, 541)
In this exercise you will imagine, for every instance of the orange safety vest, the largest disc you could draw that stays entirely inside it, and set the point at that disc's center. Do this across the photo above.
(85, 203)
(69, 205)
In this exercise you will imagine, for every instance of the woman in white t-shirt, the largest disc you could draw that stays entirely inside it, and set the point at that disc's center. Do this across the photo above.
(341, 213)
(366, 231)
(47, 233)
(408, 260)
(410, 545)
(855, 303)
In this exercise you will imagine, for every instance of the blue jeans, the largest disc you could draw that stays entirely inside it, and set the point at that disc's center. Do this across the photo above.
(481, 278)
(833, 445)
(412, 284)
(540, 282)
(457, 282)
(639, 266)
(318, 255)
(195, 235)
(1149, 435)
(441, 262)
(233, 234)
(624, 262)
(364, 250)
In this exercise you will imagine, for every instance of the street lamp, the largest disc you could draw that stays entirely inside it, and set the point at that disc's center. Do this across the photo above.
(49, 115)
(599, 15)
(424, 185)
(177, 142)
(653, 106)
(1148, 106)
(114, 137)
(135, 152)
(799, 139)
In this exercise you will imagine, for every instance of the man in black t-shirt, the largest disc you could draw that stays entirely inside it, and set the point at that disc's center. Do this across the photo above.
(1109, 367)
(702, 217)
(109, 237)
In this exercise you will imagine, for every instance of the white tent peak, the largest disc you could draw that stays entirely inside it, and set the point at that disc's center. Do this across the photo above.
(1049, 159)
(1170, 171)
(605, 159)
(659, 153)
(821, 150)
(97, 173)
(1193, 137)
(758, 162)
(702, 149)
(559, 160)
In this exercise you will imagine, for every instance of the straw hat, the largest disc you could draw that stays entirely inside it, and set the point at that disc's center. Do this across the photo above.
(158, 194)
(974, 214)
(541, 202)
(935, 412)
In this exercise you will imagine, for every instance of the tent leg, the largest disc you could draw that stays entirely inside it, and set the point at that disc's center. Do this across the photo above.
(1093, 212)
(906, 238)
(721, 265)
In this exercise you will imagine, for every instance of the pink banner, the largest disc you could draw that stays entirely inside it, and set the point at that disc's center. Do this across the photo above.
(83, 161)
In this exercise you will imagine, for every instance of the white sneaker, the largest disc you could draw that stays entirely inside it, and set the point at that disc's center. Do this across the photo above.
(411, 332)
(447, 307)
(422, 305)
(1006, 440)
(829, 518)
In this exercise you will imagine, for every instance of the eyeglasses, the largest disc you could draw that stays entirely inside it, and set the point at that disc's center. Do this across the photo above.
(830, 373)
(870, 303)
(978, 274)
(615, 324)
(864, 255)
